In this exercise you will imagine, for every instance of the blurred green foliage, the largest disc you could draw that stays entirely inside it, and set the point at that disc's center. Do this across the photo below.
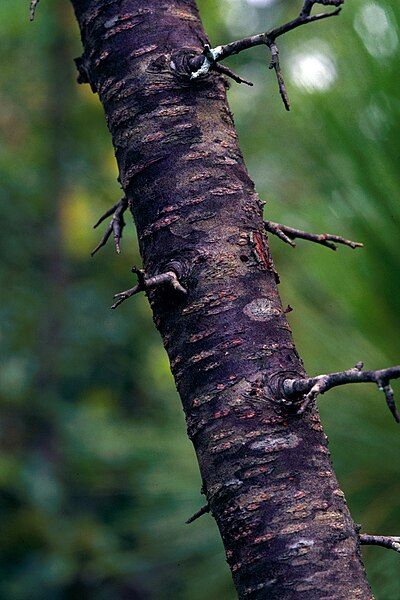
(96, 473)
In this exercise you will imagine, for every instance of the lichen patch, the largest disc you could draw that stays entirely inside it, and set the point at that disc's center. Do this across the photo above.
(261, 309)
(273, 444)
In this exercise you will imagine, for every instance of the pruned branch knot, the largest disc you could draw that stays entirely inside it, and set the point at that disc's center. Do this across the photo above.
(194, 68)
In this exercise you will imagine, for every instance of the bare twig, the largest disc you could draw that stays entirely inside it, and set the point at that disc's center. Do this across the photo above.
(229, 73)
(32, 9)
(116, 225)
(288, 234)
(304, 391)
(275, 64)
(201, 65)
(146, 283)
(390, 542)
(203, 511)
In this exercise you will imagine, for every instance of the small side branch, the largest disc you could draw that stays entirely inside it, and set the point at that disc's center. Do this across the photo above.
(275, 64)
(288, 234)
(304, 391)
(32, 9)
(229, 73)
(389, 542)
(203, 511)
(115, 226)
(200, 65)
(144, 283)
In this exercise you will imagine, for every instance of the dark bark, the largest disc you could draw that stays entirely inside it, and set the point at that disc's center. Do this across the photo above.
(267, 475)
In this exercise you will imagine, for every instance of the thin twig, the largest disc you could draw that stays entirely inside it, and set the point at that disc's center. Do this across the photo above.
(201, 65)
(203, 511)
(32, 9)
(229, 73)
(288, 234)
(272, 34)
(275, 64)
(116, 225)
(309, 4)
(304, 391)
(146, 283)
(390, 542)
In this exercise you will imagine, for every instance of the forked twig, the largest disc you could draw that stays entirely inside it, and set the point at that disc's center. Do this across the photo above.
(304, 391)
(200, 65)
(146, 283)
(288, 234)
(116, 225)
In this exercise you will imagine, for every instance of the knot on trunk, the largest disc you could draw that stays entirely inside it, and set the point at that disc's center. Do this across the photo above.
(275, 384)
(185, 63)
(83, 68)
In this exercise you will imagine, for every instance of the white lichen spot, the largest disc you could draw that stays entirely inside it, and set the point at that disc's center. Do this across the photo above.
(273, 444)
(216, 52)
(303, 543)
(261, 309)
(111, 22)
(205, 67)
(234, 482)
(213, 55)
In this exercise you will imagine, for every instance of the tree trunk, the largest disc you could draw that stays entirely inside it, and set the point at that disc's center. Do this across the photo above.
(267, 474)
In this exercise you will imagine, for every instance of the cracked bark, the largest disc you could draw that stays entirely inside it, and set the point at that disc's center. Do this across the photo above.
(267, 476)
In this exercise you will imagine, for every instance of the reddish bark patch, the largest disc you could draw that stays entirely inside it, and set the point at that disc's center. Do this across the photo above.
(260, 250)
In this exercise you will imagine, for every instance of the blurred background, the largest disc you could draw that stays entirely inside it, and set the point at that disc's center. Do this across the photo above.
(97, 476)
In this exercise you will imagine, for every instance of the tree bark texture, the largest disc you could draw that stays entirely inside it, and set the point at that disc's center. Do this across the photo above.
(267, 475)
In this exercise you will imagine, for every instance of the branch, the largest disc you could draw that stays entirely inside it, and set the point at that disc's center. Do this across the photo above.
(229, 73)
(200, 65)
(275, 64)
(390, 542)
(32, 9)
(304, 391)
(146, 283)
(203, 511)
(288, 234)
(116, 225)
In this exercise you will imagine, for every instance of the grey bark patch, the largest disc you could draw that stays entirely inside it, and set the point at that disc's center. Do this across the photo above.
(272, 444)
(261, 309)
(111, 22)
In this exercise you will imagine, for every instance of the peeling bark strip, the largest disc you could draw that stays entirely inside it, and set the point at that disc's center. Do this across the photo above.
(267, 475)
